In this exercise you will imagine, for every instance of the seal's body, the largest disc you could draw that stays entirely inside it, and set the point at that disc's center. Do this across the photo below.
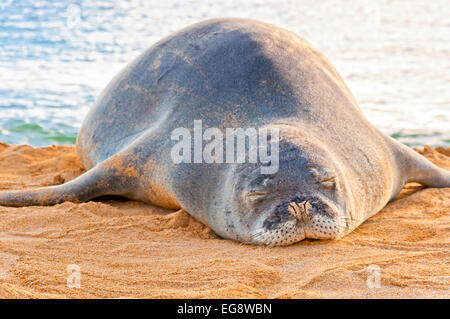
(335, 169)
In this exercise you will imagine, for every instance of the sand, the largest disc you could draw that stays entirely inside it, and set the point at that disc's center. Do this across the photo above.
(129, 249)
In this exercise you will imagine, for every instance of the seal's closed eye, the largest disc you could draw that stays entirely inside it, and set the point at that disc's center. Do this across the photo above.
(324, 176)
(255, 196)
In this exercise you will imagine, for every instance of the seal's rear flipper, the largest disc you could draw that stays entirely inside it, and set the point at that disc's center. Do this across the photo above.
(417, 168)
(98, 181)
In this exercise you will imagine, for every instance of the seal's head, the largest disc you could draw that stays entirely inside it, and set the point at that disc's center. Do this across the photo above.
(305, 198)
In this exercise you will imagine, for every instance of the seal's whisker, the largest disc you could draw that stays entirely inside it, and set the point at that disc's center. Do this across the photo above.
(258, 232)
(259, 235)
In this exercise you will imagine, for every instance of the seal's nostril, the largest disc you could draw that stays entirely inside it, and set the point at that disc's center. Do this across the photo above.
(295, 210)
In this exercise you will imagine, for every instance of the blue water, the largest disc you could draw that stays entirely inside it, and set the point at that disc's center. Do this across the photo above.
(56, 56)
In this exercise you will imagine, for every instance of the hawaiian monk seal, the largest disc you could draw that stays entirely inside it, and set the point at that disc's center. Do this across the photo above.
(335, 168)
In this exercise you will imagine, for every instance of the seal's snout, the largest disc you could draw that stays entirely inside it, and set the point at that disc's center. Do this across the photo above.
(320, 218)
(300, 218)
(281, 227)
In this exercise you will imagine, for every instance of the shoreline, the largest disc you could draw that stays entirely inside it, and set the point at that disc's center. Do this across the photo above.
(125, 248)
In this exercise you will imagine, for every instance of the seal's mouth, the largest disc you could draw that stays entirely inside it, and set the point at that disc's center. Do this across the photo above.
(288, 233)
(296, 220)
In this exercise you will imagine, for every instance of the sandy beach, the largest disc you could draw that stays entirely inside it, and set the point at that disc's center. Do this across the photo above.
(130, 249)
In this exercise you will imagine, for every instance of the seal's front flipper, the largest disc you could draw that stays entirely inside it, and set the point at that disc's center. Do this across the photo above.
(416, 168)
(103, 179)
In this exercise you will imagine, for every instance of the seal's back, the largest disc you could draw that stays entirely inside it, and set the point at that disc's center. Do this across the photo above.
(226, 72)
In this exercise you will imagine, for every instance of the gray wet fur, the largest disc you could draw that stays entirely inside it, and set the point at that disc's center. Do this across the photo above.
(335, 168)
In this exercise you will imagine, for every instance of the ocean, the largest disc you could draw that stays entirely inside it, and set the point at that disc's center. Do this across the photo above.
(56, 56)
